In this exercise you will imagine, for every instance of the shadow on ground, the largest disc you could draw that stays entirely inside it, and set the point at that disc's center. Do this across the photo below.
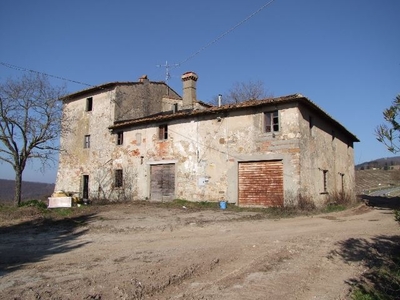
(33, 241)
(381, 202)
(381, 258)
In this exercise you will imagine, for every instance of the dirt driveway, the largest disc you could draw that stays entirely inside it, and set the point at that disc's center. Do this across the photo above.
(148, 252)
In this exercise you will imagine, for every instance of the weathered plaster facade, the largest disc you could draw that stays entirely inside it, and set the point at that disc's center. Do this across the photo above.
(203, 149)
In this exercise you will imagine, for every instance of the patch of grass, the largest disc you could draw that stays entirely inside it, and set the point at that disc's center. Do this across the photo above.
(7, 207)
(305, 207)
(179, 203)
(63, 212)
(361, 295)
(381, 281)
(34, 203)
(334, 207)
(384, 284)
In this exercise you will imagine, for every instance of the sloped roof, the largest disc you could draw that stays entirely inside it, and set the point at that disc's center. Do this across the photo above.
(108, 86)
(183, 114)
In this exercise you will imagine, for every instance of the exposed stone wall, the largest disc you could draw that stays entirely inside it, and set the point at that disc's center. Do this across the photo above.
(141, 99)
(75, 160)
(206, 151)
(324, 147)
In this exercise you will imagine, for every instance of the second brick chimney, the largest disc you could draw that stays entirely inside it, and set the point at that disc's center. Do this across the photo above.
(189, 90)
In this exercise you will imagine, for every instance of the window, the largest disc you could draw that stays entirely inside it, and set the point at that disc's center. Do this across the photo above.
(86, 143)
(85, 191)
(120, 138)
(163, 132)
(118, 178)
(325, 172)
(310, 124)
(271, 121)
(342, 180)
(89, 104)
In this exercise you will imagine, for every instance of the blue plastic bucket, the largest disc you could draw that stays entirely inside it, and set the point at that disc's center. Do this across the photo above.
(222, 204)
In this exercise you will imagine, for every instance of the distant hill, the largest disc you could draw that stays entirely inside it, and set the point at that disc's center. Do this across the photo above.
(367, 180)
(30, 190)
(387, 163)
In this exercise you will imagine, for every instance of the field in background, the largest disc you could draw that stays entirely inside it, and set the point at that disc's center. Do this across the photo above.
(370, 180)
(30, 190)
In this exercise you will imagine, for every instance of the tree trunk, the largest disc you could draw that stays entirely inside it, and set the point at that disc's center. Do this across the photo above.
(18, 185)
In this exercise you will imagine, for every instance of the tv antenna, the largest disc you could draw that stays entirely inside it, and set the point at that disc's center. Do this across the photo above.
(167, 70)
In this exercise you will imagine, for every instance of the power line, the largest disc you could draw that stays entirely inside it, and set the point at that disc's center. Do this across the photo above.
(168, 67)
(225, 33)
(10, 66)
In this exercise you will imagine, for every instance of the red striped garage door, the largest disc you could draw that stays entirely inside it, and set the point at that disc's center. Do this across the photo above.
(162, 182)
(261, 183)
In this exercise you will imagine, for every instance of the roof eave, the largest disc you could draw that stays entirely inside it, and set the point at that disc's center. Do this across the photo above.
(232, 107)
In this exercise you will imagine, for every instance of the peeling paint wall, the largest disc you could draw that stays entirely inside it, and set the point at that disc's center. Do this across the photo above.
(206, 151)
(75, 160)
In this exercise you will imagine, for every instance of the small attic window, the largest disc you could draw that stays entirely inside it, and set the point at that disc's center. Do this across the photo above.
(163, 132)
(120, 138)
(89, 104)
(311, 124)
(271, 121)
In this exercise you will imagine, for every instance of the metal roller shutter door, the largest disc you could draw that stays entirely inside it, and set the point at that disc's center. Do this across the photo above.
(261, 183)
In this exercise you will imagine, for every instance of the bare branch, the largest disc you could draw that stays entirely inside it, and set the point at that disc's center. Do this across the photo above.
(30, 124)
(244, 91)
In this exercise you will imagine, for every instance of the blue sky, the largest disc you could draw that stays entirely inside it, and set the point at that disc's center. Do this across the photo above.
(342, 54)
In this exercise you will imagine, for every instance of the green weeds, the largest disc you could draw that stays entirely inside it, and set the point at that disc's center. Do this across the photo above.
(34, 203)
(382, 279)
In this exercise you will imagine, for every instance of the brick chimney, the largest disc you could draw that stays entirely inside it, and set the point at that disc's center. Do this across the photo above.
(143, 79)
(189, 89)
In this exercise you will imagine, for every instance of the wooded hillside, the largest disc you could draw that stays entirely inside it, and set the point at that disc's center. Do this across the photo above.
(30, 190)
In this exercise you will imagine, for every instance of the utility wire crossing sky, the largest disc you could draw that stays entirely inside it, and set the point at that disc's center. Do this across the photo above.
(343, 55)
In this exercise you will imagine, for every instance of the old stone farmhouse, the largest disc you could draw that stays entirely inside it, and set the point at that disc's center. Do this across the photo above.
(142, 141)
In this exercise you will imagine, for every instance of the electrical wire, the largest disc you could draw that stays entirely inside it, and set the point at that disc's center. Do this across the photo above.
(170, 67)
(224, 34)
(10, 66)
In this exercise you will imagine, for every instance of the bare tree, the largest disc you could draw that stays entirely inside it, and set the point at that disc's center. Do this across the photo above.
(389, 134)
(30, 123)
(243, 91)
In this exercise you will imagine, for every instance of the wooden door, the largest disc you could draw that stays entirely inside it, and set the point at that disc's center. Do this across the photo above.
(162, 182)
(85, 190)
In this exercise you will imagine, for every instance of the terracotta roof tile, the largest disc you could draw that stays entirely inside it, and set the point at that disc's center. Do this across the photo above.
(166, 116)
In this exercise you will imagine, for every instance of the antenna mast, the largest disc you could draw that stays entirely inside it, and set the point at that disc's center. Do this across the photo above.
(167, 70)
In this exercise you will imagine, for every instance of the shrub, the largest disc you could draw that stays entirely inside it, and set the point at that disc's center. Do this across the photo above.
(397, 215)
(340, 198)
(34, 203)
(305, 203)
